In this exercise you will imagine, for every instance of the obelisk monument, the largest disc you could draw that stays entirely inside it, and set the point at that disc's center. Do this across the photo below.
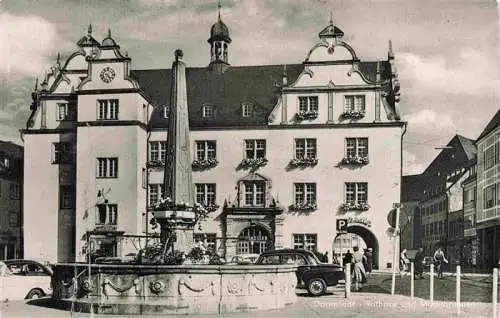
(177, 219)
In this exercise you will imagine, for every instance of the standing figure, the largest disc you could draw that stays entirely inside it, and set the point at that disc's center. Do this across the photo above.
(404, 261)
(439, 259)
(347, 257)
(369, 260)
(359, 273)
(419, 259)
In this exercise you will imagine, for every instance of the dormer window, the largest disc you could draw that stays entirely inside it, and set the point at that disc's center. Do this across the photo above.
(354, 103)
(308, 104)
(165, 111)
(208, 111)
(246, 109)
(63, 112)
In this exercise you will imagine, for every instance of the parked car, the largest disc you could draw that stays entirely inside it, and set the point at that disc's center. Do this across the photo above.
(244, 259)
(311, 273)
(24, 279)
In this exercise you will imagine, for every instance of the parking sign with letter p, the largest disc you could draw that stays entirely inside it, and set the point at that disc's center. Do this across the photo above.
(341, 225)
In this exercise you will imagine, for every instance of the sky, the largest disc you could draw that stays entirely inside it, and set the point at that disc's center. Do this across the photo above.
(446, 51)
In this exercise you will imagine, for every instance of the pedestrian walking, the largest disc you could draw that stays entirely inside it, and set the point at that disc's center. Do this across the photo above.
(419, 263)
(404, 262)
(439, 259)
(347, 257)
(359, 273)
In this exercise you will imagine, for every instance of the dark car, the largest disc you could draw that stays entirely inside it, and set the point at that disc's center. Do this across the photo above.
(311, 273)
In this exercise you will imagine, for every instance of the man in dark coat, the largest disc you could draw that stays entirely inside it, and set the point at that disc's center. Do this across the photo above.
(369, 260)
(419, 259)
(347, 257)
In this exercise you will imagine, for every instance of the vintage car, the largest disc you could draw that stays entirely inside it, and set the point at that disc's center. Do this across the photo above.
(244, 259)
(311, 273)
(24, 279)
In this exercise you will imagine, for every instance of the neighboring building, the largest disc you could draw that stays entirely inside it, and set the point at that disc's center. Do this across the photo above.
(409, 219)
(434, 205)
(280, 152)
(11, 212)
(470, 243)
(488, 192)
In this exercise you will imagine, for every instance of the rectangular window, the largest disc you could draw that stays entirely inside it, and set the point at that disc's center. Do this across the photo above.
(205, 193)
(305, 193)
(489, 157)
(156, 191)
(206, 149)
(255, 194)
(107, 167)
(107, 109)
(207, 239)
(306, 241)
(208, 111)
(246, 110)
(63, 153)
(490, 194)
(255, 148)
(356, 147)
(308, 103)
(14, 191)
(354, 103)
(13, 218)
(64, 112)
(107, 214)
(157, 150)
(356, 192)
(66, 197)
(305, 148)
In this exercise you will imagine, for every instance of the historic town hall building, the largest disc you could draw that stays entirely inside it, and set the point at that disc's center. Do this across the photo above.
(280, 152)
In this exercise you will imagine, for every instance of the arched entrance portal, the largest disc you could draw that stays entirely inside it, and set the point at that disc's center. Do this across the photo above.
(357, 235)
(254, 239)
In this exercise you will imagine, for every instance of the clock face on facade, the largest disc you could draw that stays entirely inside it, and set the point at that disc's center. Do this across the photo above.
(107, 74)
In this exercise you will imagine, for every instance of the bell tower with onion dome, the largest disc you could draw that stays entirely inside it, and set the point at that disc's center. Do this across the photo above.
(219, 45)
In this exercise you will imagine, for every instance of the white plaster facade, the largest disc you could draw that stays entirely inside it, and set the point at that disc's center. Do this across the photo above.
(331, 72)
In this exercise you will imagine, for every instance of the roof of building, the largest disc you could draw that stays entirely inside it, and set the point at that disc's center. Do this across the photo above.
(411, 188)
(494, 122)
(219, 31)
(259, 85)
(458, 153)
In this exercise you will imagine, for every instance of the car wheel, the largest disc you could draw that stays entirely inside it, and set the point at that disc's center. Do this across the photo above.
(35, 294)
(316, 287)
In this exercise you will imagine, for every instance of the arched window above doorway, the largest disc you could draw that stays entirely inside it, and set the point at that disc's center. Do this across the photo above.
(254, 239)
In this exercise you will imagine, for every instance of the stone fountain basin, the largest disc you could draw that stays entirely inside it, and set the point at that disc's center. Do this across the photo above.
(182, 289)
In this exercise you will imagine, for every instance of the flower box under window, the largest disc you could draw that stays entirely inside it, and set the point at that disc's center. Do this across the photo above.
(351, 206)
(355, 160)
(156, 163)
(301, 207)
(253, 162)
(306, 115)
(204, 164)
(302, 162)
(353, 114)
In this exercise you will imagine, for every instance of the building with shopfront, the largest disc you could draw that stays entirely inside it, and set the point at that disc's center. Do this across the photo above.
(280, 152)
(488, 193)
(11, 180)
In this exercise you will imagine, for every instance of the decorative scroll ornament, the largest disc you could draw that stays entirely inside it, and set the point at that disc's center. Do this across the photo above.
(355, 68)
(157, 287)
(308, 71)
(234, 288)
(359, 220)
(86, 286)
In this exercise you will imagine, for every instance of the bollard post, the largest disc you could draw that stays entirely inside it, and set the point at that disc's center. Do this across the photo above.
(458, 290)
(495, 292)
(347, 280)
(431, 283)
(412, 280)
